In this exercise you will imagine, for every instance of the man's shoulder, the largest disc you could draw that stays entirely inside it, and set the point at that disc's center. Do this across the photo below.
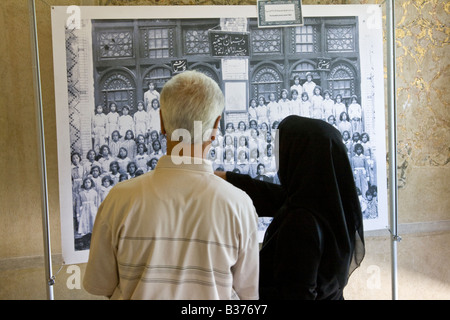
(129, 187)
(230, 192)
(229, 199)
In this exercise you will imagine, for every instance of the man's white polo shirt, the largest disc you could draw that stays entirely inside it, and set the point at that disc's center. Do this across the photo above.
(178, 232)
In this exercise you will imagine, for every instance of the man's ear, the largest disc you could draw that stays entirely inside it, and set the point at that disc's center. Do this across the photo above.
(163, 130)
(214, 131)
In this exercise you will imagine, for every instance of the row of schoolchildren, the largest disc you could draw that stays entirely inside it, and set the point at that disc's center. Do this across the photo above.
(115, 164)
(363, 163)
(143, 122)
(317, 107)
(369, 203)
(250, 151)
(94, 177)
(116, 155)
(320, 105)
(247, 151)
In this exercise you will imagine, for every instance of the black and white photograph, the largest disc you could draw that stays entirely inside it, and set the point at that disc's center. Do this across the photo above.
(112, 62)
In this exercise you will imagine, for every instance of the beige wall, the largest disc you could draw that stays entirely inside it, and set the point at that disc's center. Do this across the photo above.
(423, 154)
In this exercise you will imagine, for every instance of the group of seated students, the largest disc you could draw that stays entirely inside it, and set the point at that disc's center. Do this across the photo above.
(249, 149)
(120, 158)
(246, 149)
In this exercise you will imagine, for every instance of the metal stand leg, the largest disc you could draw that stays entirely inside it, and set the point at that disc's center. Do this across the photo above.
(41, 140)
(392, 113)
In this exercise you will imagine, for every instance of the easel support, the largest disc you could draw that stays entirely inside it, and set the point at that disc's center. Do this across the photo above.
(42, 158)
(392, 121)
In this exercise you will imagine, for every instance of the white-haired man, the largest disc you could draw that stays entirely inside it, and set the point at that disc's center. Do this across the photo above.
(177, 232)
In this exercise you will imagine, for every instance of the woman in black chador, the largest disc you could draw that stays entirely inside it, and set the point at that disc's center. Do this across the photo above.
(315, 240)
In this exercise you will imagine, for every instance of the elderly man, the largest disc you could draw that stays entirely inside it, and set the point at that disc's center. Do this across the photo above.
(177, 232)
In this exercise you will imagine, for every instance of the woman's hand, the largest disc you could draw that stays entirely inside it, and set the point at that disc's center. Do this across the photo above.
(221, 174)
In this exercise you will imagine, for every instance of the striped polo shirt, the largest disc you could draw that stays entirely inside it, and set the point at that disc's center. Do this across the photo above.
(178, 232)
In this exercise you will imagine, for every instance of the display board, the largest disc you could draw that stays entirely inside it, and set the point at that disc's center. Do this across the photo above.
(111, 62)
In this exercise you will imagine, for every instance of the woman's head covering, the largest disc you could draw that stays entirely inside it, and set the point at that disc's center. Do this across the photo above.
(315, 171)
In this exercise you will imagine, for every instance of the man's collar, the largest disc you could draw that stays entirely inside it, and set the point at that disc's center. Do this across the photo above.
(184, 162)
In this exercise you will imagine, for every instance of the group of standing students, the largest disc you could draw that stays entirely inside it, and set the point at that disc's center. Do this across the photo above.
(123, 147)
(249, 148)
(307, 100)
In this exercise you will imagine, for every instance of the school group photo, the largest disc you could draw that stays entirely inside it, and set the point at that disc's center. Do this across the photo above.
(127, 145)
(116, 70)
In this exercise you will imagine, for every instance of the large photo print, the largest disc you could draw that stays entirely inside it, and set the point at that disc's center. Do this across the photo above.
(112, 62)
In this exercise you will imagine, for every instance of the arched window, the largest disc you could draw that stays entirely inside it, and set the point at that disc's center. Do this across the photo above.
(207, 70)
(118, 86)
(301, 69)
(266, 79)
(159, 76)
(341, 80)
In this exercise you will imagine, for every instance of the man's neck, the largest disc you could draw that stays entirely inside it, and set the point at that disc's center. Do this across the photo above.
(177, 148)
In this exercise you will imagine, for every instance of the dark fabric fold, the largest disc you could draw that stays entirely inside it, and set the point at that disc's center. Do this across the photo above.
(316, 238)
